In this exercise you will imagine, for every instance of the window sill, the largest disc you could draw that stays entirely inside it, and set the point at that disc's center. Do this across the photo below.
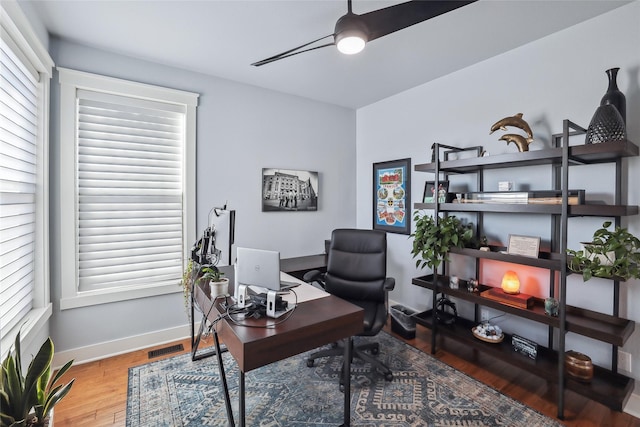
(29, 329)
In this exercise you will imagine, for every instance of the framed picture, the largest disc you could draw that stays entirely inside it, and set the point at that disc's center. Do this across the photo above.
(286, 190)
(429, 195)
(391, 196)
(523, 245)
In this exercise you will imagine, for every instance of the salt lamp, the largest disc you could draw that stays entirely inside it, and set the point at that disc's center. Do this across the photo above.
(511, 283)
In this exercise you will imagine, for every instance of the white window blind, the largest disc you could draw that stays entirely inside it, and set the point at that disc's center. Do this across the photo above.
(130, 191)
(18, 186)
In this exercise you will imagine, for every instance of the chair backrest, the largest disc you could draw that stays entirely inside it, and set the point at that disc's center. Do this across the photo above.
(357, 264)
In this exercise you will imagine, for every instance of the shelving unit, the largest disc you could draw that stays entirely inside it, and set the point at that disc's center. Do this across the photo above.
(607, 386)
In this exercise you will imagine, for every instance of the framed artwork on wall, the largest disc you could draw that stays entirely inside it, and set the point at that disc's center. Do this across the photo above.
(286, 190)
(391, 196)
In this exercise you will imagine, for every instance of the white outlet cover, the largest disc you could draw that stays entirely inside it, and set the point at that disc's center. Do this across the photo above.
(624, 361)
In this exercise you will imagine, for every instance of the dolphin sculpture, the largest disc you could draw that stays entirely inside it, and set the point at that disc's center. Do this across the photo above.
(515, 121)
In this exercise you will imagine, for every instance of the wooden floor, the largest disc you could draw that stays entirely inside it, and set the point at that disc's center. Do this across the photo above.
(98, 397)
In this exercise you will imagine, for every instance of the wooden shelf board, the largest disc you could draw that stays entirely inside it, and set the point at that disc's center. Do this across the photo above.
(582, 154)
(607, 387)
(588, 209)
(604, 152)
(603, 327)
(550, 261)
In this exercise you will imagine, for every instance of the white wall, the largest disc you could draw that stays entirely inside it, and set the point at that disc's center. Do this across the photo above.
(560, 76)
(241, 129)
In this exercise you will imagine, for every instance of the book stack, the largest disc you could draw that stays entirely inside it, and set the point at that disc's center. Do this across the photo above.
(549, 197)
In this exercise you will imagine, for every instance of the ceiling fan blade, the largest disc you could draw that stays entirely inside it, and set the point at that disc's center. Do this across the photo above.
(393, 18)
(294, 51)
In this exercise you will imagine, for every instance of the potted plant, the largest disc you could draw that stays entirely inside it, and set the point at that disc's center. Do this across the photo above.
(218, 285)
(431, 240)
(27, 400)
(610, 254)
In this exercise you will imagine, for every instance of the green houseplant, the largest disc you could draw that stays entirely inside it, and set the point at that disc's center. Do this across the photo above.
(610, 254)
(27, 400)
(431, 240)
(194, 273)
(218, 284)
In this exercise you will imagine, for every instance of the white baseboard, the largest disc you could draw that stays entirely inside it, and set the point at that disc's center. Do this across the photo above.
(633, 405)
(125, 345)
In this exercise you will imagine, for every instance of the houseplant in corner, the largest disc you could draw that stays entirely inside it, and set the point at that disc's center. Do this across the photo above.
(27, 400)
(431, 240)
(610, 254)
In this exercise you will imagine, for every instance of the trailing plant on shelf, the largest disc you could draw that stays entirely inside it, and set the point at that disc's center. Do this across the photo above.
(187, 283)
(27, 400)
(431, 240)
(610, 254)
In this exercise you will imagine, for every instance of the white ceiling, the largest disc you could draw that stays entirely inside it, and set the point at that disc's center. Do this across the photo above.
(222, 38)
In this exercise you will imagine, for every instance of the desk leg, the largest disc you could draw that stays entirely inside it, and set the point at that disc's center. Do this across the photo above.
(347, 381)
(223, 378)
(241, 398)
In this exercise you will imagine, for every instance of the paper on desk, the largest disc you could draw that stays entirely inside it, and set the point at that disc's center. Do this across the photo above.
(304, 292)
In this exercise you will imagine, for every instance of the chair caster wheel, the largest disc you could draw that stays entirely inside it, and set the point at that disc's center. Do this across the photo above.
(388, 377)
(341, 388)
(310, 363)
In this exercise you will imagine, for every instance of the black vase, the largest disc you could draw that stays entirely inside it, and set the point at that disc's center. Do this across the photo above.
(614, 96)
(606, 125)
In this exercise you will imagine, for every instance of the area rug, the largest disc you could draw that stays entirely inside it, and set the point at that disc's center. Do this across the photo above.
(424, 392)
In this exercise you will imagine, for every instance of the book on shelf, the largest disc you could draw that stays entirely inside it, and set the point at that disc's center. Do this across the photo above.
(547, 197)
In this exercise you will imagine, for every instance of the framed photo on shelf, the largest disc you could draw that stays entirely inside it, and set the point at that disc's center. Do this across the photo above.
(429, 195)
(391, 196)
(523, 245)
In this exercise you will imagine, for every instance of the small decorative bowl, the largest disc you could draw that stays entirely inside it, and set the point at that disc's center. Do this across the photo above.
(578, 366)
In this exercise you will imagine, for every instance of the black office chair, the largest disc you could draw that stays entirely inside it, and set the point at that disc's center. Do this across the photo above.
(356, 272)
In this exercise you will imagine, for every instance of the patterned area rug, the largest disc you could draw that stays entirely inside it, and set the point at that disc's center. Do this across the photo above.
(424, 392)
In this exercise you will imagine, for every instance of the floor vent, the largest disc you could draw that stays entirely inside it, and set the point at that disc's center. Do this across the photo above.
(162, 351)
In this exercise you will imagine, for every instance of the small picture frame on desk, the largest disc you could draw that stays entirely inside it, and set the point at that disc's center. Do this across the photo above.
(429, 195)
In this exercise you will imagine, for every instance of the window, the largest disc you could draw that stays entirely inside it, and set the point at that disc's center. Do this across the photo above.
(128, 154)
(25, 71)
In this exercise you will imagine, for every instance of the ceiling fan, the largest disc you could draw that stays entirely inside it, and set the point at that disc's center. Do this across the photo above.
(353, 31)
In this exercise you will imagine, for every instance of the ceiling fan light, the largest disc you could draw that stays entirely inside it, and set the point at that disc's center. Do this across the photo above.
(350, 34)
(351, 44)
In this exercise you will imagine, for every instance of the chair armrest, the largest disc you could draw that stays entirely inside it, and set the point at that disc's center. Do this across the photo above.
(314, 276)
(389, 283)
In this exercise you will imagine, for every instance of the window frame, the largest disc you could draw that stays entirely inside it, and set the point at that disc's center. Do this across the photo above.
(15, 25)
(70, 82)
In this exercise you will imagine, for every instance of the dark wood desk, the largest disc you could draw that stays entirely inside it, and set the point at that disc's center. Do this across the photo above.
(313, 324)
(296, 266)
(299, 265)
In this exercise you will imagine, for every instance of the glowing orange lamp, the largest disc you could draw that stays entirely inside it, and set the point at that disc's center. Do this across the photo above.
(511, 283)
